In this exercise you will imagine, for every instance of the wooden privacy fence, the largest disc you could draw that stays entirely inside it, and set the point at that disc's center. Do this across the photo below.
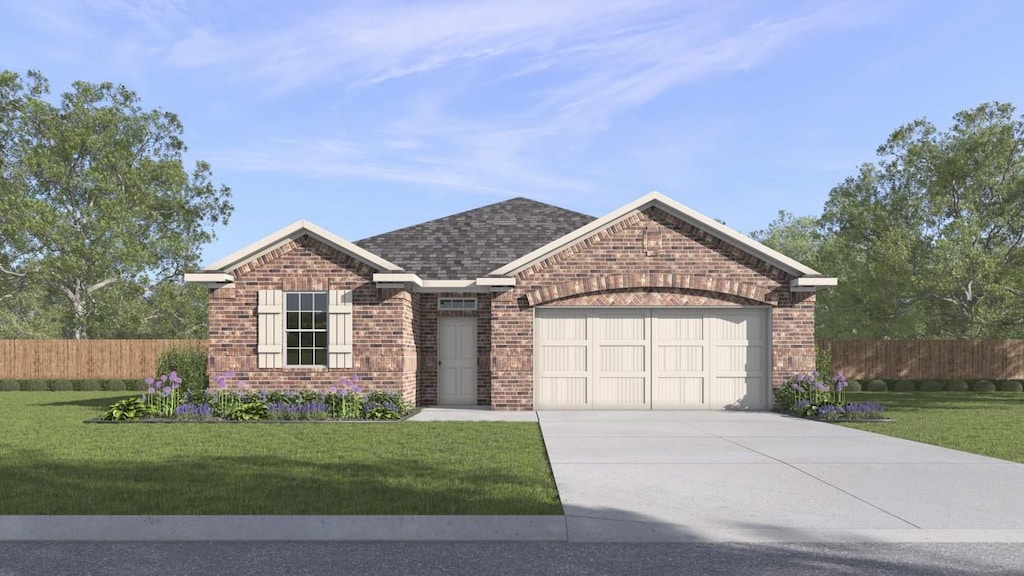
(918, 359)
(82, 359)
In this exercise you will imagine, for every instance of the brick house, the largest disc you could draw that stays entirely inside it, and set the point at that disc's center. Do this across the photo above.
(520, 305)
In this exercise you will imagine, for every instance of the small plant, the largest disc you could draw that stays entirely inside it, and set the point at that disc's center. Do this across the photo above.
(984, 386)
(383, 406)
(195, 412)
(127, 409)
(253, 410)
(932, 386)
(188, 362)
(876, 386)
(35, 386)
(87, 385)
(164, 395)
(62, 386)
(823, 359)
(904, 386)
(1011, 386)
(853, 385)
(10, 385)
(114, 385)
(957, 386)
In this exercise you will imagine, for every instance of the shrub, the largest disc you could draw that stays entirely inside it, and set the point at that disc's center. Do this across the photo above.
(9, 385)
(957, 386)
(164, 395)
(35, 385)
(253, 410)
(984, 386)
(823, 359)
(88, 385)
(127, 409)
(114, 385)
(876, 386)
(1011, 386)
(904, 386)
(188, 362)
(383, 406)
(853, 386)
(62, 386)
(932, 386)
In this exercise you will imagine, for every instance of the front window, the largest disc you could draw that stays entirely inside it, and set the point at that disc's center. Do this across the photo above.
(306, 328)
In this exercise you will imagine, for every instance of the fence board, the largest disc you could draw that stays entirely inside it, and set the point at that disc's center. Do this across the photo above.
(919, 359)
(82, 359)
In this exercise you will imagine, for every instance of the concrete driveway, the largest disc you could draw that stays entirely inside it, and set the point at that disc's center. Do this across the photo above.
(733, 476)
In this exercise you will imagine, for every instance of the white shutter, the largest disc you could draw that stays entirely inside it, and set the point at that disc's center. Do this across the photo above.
(270, 331)
(339, 329)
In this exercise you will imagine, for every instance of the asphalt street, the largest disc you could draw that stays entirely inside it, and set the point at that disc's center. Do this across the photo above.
(302, 558)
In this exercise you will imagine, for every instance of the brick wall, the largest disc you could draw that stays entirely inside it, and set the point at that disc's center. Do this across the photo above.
(383, 321)
(648, 259)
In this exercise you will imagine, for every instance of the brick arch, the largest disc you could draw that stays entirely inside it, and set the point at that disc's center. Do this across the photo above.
(691, 282)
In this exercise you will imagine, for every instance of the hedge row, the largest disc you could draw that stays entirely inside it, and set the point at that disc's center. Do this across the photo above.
(72, 385)
(894, 385)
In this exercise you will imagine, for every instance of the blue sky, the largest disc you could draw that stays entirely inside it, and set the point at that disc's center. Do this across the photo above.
(368, 116)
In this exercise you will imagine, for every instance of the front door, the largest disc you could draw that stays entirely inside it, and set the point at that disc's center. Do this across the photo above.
(456, 361)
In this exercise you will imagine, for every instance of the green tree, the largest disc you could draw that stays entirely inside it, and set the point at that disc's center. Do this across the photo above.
(100, 215)
(798, 237)
(927, 241)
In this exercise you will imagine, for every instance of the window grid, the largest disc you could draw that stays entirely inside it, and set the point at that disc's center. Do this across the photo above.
(306, 328)
(456, 303)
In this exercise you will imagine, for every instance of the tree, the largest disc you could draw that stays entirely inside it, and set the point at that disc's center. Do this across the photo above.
(798, 237)
(97, 202)
(927, 242)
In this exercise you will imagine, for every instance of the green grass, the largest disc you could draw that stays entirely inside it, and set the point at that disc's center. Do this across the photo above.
(53, 463)
(989, 423)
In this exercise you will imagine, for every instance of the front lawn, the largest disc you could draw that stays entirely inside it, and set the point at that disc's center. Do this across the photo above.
(53, 463)
(988, 423)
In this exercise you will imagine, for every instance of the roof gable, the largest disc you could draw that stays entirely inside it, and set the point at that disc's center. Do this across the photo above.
(472, 243)
(670, 206)
(292, 232)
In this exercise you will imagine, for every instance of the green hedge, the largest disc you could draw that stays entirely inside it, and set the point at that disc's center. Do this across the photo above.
(62, 385)
(937, 385)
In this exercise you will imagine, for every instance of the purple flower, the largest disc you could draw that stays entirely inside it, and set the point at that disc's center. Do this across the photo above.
(166, 391)
(150, 381)
(332, 390)
(150, 390)
(820, 387)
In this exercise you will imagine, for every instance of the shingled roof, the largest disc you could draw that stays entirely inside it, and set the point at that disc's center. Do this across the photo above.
(471, 244)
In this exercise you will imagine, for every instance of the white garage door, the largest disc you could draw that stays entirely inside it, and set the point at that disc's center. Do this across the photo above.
(657, 358)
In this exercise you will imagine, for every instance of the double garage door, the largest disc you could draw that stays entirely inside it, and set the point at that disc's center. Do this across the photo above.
(651, 358)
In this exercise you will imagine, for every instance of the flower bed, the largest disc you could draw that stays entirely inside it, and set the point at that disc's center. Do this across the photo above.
(166, 400)
(812, 396)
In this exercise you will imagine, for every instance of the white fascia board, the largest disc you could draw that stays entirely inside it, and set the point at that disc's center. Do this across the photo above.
(397, 278)
(414, 283)
(290, 232)
(811, 283)
(208, 278)
(496, 282)
(673, 207)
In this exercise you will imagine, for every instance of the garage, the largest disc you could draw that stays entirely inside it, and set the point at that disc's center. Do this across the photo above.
(651, 358)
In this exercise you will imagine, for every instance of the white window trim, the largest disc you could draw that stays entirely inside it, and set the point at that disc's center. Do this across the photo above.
(464, 304)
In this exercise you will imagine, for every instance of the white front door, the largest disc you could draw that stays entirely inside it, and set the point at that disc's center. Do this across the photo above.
(456, 361)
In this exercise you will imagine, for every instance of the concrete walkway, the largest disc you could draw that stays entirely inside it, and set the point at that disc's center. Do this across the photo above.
(665, 477)
(731, 476)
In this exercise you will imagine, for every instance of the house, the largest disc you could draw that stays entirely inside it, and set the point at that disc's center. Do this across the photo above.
(521, 305)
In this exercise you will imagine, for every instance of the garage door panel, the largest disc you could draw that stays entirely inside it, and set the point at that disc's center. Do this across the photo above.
(679, 328)
(738, 326)
(737, 392)
(556, 358)
(738, 358)
(565, 328)
(622, 358)
(562, 391)
(630, 327)
(678, 392)
(679, 359)
(620, 392)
